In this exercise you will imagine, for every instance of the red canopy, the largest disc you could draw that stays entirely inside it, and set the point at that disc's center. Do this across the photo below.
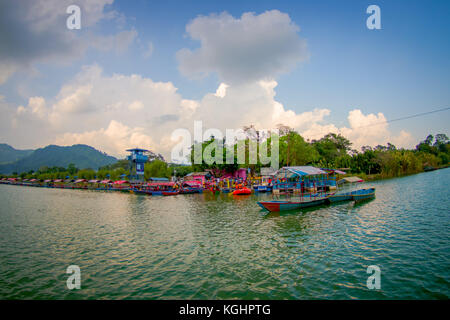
(194, 184)
(120, 182)
(155, 184)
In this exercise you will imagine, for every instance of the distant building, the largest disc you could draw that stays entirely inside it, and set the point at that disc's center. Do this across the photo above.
(137, 160)
(156, 179)
(198, 176)
(267, 171)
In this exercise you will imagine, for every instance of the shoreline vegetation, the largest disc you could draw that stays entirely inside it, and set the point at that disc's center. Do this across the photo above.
(331, 151)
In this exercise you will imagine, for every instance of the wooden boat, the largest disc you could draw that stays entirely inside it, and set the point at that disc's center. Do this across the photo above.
(261, 188)
(146, 192)
(356, 195)
(242, 191)
(285, 205)
(190, 190)
(340, 197)
(363, 194)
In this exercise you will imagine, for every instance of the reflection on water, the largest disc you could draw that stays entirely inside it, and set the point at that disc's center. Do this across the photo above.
(205, 246)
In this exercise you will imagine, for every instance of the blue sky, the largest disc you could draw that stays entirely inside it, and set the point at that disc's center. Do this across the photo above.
(400, 70)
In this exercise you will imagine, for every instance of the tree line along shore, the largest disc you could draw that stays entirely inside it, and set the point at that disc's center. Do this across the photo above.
(331, 151)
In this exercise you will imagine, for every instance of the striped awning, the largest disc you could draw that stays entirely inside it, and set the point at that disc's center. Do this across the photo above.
(350, 180)
(299, 171)
(154, 184)
(120, 182)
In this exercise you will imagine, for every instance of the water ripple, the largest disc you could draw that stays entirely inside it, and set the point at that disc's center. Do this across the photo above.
(223, 247)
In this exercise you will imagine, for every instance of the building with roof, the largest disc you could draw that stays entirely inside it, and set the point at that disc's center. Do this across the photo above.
(137, 160)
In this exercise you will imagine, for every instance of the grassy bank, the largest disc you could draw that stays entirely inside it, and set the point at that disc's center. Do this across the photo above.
(384, 176)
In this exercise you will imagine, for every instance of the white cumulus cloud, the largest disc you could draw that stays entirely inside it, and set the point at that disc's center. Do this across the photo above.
(250, 48)
(35, 31)
(114, 113)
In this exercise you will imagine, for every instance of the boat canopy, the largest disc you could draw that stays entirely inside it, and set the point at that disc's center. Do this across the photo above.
(158, 179)
(193, 184)
(198, 174)
(80, 180)
(350, 180)
(155, 184)
(267, 171)
(120, 182)
(333, 171)
(106, 181)
(93, 181)
(58, 180)
(48, 180)
(290, 172)
(137, 150)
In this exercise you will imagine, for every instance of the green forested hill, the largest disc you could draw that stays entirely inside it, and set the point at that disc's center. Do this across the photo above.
(82, 156)
(9, 154)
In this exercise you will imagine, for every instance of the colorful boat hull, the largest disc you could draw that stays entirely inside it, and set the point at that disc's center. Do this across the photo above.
(149, 193)
(261, 189)
(170, 193)
(242, 191)
(280, 205)
(363, 194)
(340, 197)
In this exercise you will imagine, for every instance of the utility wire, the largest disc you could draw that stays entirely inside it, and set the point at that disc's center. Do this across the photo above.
(402, 118)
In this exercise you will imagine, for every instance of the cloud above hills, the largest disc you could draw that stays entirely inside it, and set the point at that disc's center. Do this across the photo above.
(33, 32)
(115, 112)
(250, 48)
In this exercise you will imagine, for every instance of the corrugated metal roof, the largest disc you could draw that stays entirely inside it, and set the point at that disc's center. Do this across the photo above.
(198, 174)
(301, 171)
(161, 183)
(158, 179)
(350, 180)
(267, 171)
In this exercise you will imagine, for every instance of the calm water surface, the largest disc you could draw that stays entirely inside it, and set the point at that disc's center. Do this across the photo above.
(224, 247)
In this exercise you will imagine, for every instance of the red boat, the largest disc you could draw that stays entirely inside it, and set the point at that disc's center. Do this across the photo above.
(242, 191)
(170, 193)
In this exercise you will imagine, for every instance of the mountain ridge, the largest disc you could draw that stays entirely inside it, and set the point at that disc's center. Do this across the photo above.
(81, 155)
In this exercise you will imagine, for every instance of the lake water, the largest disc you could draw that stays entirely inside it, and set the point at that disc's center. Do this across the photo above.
(224, 247)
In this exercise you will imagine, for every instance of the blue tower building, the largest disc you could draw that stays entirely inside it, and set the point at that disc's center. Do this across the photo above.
(137, 160)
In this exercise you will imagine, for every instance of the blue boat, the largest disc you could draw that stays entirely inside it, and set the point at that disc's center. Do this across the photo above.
(281, 205)
(363, 194)
(356, 195)
(309, 186)
(340, 197)
(262, 188)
